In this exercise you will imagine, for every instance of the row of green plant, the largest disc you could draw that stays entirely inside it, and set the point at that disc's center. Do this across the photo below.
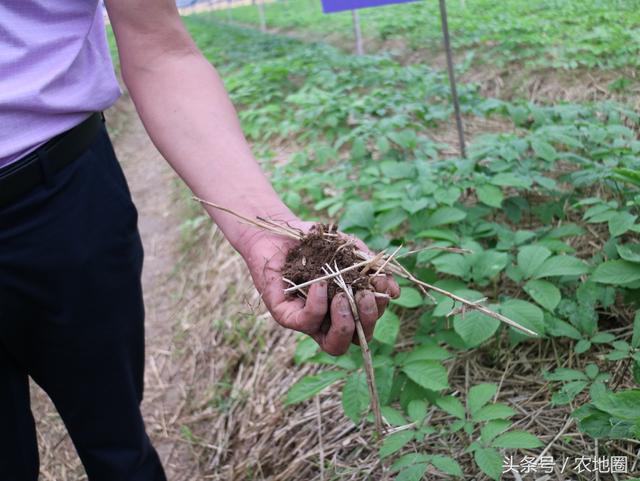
(548, 208)
(543, 33)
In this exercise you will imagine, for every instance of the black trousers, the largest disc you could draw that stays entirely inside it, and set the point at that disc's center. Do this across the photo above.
(72, 319)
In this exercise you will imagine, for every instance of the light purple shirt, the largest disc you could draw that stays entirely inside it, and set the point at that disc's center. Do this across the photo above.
(55, 70)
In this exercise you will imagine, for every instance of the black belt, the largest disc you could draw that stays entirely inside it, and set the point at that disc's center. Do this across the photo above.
(23, 175)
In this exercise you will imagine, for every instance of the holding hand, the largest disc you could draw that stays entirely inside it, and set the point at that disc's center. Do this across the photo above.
(334, 333)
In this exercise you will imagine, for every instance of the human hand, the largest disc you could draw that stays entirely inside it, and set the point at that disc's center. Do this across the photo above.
(265, 257)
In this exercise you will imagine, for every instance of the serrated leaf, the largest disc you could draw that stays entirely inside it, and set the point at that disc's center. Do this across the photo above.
(583, 345)
(358, 214)
(635, 339)
(394, 442)
(412, 473)
(454, 264)
(565, 374)
(511, 180)
(493, 411)
(524, 313)
(447, 465)
(451, 405)
(426, 352)
(307, 347)
(544, 293)
(489, 264)
(561, 266)
(516, 439)
(492, 428)
(474, 327)
(620, 223)
(445, 215)
(531, 258)
(309, 386)
(490, 195)
(629, 252)
(417, 410)
(409, 459)
(387, 327)
(616, 272)
(439, 234)
(489, 461)
(355, 396)
(479, 396)
(428, 374)
(393, 416)
(409, 298)
(544, 150)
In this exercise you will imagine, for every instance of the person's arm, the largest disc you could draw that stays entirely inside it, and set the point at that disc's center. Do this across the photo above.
(189, 117)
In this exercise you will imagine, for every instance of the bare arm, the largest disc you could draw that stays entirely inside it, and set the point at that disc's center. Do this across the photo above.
(187, 112)
(188, 115)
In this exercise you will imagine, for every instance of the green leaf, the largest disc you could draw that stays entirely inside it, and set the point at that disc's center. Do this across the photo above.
(417, 410)
(390, 219)
(393, 416)
(409, 297)
(479, 396)
(561, 266)
(623, 405)
(544, 293)
(517, 439)
(489, 264)
(394, 442)
(447, 196)
(409, 459)
(620, 223)
(489, 461)
(474, 327)
(451, 405)
(524, 313)
(493, 411)
(387, 328)
(629, 252)
(439, 234)
(635, 339)
(447, 465)
(511, 180)
(591, 370)
(309, 386)
(355, 396)
(427, 352)
(306, 349)
(616, 272)
(490, 195)
(531, 258)
(582, 346)
(544, 150)
(412, 473)
(565, 374)
(454, 264)
(445, 215)
(559, 328)
(603, 337)
(358, 214)
(492, 428)
(358, 149)
(428, 374)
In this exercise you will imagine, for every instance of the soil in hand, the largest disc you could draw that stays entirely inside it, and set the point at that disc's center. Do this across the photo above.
(321, 246)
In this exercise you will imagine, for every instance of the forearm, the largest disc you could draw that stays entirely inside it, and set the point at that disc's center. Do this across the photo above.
(188, 115)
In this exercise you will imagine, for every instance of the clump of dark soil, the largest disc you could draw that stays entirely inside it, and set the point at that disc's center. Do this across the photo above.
(321, 246)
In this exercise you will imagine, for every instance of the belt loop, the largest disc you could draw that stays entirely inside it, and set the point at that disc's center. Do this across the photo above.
(45, 166)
